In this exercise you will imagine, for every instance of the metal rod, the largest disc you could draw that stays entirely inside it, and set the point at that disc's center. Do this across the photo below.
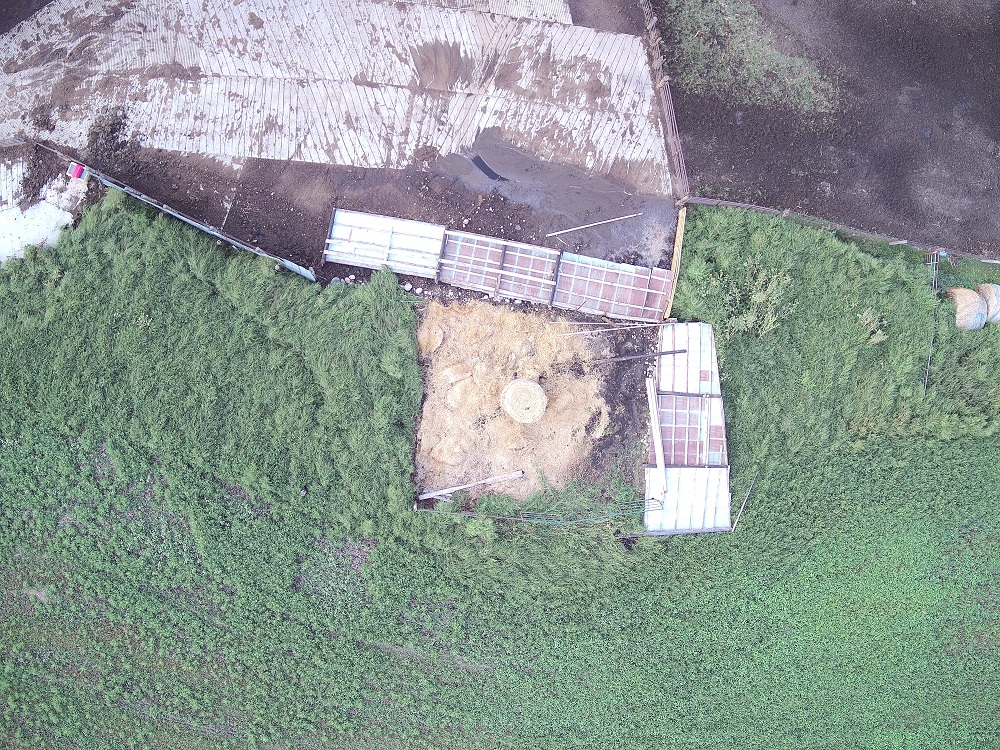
(740, 514)
(654, 428)
(489, 480)
(640, 356)
(927, 370)
(595, 224)
(612, 327)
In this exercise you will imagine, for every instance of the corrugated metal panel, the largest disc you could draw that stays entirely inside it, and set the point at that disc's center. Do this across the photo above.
(694, 500)
(540, 10)
(529, 273)
(617, 290)
(694, 372)
(11, 177)
(401, 77)
(693, 430)
(371, 241)
(472, 262)
(500, 268)
(693, 486)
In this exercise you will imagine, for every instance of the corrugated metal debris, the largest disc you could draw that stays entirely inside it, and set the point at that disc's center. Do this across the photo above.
(372, 241)
(352, 82)
(500, 268)
(690, 490)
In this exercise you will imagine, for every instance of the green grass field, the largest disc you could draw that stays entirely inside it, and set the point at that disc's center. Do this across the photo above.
(206, 536)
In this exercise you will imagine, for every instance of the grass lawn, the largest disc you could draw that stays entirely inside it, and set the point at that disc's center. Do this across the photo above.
(206, 537)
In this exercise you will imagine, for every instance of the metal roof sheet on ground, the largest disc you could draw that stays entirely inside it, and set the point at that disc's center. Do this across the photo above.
(540, 10)
(11, 177)
(499, 267)
(372, 241)
(694, 500)
(617, 290)
(693, 430)
(693, 485)
(694, 372)
(399, 79)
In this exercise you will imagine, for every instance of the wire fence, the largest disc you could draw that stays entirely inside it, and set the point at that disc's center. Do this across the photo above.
(612, 511)
(679, 179)
(109, 181)
(816, 223)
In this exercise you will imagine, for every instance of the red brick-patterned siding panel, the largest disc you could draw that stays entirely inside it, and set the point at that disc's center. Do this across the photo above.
(528, 273)
(616, 290)
(471, 262)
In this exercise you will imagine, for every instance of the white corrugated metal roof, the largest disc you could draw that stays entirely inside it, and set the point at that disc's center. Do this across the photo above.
(11, 177)
(372, 241)
(353, 82)
(696, 371)
(694, 499)
(540, 10)
(693, 484)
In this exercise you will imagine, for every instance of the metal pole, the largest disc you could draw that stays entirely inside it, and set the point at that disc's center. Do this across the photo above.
(640, 356)
(740, 514)
(595, 224)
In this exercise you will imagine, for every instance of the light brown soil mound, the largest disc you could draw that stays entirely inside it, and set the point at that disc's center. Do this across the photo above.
(472, 351)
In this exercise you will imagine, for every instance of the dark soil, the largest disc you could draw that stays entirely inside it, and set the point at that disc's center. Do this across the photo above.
(914, 151)
(622, 448)
(285, 207)
(617, 16)
(42, 166)
(12, 12)
(197, 186)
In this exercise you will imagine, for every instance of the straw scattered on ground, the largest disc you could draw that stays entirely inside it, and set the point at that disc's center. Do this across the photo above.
(471, 351)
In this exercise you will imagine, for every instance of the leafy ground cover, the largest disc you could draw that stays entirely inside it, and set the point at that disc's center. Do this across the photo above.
(166, 583)
(724, 48)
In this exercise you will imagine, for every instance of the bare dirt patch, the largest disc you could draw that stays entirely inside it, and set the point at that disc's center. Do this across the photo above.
(913, 151)
(617, 16)
(285, 207)
(471, 352)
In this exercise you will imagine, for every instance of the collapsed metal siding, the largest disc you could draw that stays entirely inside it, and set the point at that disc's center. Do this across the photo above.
(539, 10)
(352, 82)
(11, 177)
(500, 268)
(691, 492)
(372, 241)
(617, 290)
(695, 500)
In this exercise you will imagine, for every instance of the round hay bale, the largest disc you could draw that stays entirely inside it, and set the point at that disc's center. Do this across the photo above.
(524, 401)
(991, 293)
(970, 308)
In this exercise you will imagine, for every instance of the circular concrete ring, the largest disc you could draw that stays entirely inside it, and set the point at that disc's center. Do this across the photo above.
(524, 401)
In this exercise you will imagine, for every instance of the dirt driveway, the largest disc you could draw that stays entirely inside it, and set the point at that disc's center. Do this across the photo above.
(914, 150)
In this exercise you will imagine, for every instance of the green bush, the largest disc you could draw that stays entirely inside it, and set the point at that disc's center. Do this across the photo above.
(723, 48)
